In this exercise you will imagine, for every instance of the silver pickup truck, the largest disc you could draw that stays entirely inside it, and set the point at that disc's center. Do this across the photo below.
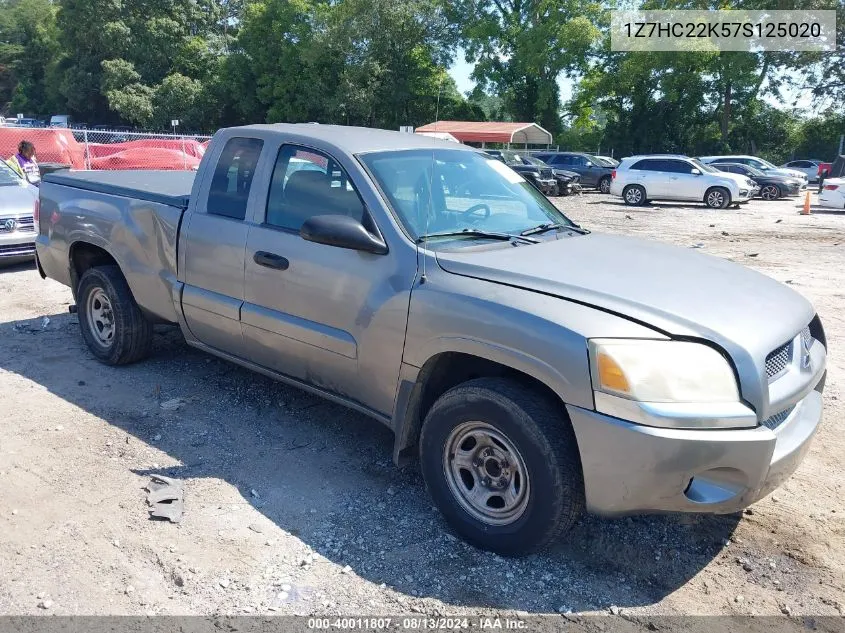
(536, 369)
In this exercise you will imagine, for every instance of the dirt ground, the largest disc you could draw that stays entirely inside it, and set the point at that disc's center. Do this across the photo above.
(293, 506)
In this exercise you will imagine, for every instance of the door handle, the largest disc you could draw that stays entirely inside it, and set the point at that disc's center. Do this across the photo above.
(270, 260)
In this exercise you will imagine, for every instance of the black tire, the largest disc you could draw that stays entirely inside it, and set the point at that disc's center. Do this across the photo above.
(634, 196)
(545, 445)
(555, 191)
(132, 334)
(717, 198)
(604, 184)
(770, 192)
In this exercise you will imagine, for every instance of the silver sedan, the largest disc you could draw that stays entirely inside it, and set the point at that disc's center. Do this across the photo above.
(17, 222)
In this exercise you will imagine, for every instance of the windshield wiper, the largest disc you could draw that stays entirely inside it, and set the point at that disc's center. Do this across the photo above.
(478, 233)
(550, 226)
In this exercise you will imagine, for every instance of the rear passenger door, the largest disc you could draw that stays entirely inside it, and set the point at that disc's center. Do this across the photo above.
(213, 241)
(330, 317)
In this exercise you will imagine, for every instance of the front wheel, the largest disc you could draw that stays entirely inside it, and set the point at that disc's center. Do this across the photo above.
(770, 192)
(604, 185)
(717, 198)
(112, 324)
(501, 463)
(634, 195)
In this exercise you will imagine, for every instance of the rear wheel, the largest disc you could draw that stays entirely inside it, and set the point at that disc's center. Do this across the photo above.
(770, 192)
(717, 198)
(634, 195)
(112, 324)
(604, 185)
(502, 465)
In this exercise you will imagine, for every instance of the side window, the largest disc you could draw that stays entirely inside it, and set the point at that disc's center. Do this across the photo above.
(644, 165)
(578, 161)
(660, 165)
(679, 166)
(232, 178)
(306, 183)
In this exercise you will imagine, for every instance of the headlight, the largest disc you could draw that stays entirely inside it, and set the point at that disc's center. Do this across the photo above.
(662, 371)
(670, 384)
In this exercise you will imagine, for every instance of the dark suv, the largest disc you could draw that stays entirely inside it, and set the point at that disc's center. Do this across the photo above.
(537, 173)
(592, 171)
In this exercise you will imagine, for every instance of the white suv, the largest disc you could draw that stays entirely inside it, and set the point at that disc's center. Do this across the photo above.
(639, 179)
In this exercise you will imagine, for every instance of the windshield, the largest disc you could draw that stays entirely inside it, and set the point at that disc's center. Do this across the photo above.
(708, 169)
(445, 190)
(7, 176)
(761, 163)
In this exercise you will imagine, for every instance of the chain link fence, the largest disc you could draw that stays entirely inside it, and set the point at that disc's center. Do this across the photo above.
(62, 148)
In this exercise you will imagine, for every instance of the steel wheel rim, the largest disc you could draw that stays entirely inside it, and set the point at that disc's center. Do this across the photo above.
(769, 193)
(715, 198)
(633, 195)
(604, 185)
(486, 473)
(100, 317)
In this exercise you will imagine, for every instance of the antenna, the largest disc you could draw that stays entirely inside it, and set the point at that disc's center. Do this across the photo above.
(431, 181)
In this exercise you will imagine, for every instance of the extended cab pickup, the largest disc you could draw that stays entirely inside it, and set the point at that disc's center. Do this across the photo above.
(536, 368)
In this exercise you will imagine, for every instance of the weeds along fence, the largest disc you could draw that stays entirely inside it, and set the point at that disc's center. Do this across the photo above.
(57, 148)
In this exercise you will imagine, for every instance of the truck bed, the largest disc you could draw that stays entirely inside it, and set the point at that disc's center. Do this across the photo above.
(133, 216)
(172, 188)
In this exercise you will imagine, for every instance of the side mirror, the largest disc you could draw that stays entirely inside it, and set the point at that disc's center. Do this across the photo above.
(695, 172)
(343, 232)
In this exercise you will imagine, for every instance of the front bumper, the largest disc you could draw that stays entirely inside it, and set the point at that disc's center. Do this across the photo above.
(547, 185)
(17, 245)
(630, 468)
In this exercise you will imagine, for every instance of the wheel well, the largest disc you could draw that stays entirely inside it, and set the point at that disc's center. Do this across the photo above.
(439, 374)
(84, 256)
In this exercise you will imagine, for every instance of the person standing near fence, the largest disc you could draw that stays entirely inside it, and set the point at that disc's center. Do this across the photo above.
(24, 163)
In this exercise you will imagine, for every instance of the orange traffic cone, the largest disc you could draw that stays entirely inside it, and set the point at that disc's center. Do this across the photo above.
(806, 209)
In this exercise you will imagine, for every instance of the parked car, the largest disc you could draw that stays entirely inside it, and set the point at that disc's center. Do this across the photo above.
(770, 187)
(568, 182)
(61, 120)
(534, 367)
(754, 161)
(639, 179)
(809, 168)
(832, 194)
(593, 172)
(540, 176)
(17, 226)
(27, 122)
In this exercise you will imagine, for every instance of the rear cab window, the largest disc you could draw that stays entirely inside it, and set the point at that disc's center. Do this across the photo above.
(232, 179)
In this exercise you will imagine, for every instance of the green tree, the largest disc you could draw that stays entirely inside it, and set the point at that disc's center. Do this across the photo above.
(29, 51)
(521, 47)
(358, 62)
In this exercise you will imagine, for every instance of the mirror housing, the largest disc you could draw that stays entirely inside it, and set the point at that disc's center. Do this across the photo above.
(695, 172)
(343, 232)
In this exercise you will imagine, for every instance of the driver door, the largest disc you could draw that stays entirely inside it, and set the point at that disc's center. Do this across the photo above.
(327, 316)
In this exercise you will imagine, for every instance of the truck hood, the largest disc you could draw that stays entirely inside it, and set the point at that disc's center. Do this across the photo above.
(676, 291)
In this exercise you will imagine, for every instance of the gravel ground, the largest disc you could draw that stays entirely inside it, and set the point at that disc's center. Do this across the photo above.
(293, 506)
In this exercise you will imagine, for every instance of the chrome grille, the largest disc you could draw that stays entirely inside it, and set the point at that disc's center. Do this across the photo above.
(546, 172)
(25, 224)
(778, 360)
(777, 419)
